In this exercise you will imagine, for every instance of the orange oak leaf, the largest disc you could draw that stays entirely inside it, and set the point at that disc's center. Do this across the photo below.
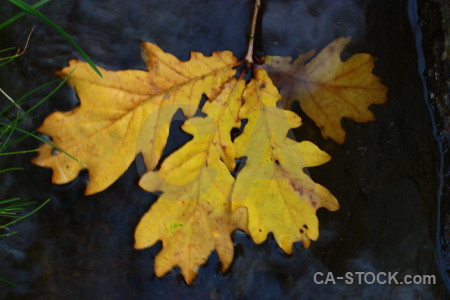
(126, 113)
(193, 215)
(327, 88)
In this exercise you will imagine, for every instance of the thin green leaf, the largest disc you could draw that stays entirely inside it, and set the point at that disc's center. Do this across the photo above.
(8, 61)
(31, 10)
(25, 216)
(47, 142)
(48, 95)
(6, 215)
(16, 141)
(15, 207)
(10, 169)
(61, 83)
(20, 15)
(18, 152)
(7, 235)
(7, 49)
(27, 95)
(11, 57)
(16, 123)
(9, 200)
(6, 280)
(8, 128)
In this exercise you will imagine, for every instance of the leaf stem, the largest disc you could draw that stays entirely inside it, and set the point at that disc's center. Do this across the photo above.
(249, 56)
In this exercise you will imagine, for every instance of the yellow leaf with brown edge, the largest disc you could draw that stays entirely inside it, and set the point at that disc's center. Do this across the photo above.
(279, 196)
(126, 113)
(327, 88)
(193, 215)
(224, 110)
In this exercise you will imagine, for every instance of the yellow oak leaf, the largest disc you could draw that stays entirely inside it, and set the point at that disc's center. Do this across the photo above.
(279, 196)
(193, 215)
(201, 203)
(224, 110)
(327, 88)
(126, 113)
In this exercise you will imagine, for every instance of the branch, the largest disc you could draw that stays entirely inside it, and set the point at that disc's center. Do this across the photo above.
(10, 99)
(249, 56)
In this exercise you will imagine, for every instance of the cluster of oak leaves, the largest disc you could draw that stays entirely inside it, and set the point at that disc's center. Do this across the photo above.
(129, 112)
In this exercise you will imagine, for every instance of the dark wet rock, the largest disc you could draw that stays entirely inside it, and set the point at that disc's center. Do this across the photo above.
(435, 25)
(385, 175)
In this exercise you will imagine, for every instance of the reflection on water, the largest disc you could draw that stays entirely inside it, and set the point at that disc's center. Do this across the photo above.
(384, 175)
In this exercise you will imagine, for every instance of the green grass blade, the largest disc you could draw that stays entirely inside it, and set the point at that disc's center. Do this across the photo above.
(37, 89)
(6, 201)
(9, 200)
(8, 128)
(16, 122)
(12, 127)
(20, 15)
(15, 207)
(7, 235)
(18, 152)
(48, 95)
(10, 169)
(12, 210)
(8, 61)
(31, 10)
(47, 142)
(7, 281)
(25, 216)
(16, 141)
(27, 95)
(11, 57)
(43, 99)
(7, 49)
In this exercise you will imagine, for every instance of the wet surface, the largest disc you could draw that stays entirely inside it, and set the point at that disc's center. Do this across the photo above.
(435, 26)
(385, 176)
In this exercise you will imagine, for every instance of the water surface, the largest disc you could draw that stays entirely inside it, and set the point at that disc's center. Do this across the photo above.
(385, 175)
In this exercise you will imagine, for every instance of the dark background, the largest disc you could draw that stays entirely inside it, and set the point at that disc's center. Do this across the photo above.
(386, 176)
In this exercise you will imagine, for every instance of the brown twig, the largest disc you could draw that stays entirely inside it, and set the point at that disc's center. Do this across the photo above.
(249, 56)
(18, 53)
